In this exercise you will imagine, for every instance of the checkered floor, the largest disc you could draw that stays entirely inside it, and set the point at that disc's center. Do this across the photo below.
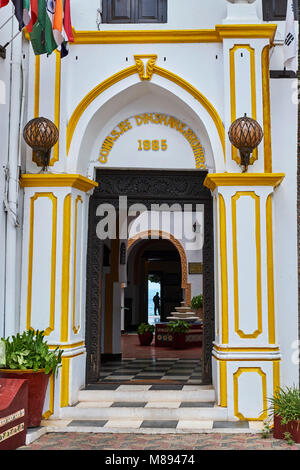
(181, 371)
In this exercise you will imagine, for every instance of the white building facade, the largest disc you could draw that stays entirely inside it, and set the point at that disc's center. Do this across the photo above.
(154, 90)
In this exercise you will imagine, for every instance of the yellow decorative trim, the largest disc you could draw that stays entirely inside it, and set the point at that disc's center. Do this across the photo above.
(93, 94)
(270, 270)
(146, 36)
(199, 97)
(57, 181)
(246, 349)
(244, 359)
(220, 32)
(214, 180)
(65, 380)
(53, 260)
(234, 199)
(75, 329)
(67, 346)
(65, 284)
(234, 116)
(223, 383)
(37, 80)
(266, 109)
(37, 86)
(145, 71)
(276, 376)
(50, 412)
(236, 376)
(65, 374)
(249, 31)
(55, 156)
(224, 279)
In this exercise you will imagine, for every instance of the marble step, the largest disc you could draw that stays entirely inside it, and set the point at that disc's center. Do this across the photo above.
(88, 411)
(131, 394)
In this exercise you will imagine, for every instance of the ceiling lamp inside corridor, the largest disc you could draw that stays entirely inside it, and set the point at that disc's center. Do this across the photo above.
(245, 134)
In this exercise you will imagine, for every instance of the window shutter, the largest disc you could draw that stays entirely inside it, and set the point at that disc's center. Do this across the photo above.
(275, 10)
(151, 11)
(118, 11)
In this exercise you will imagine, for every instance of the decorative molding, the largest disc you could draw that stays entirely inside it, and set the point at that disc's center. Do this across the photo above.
(56, 181)
(153, 36)
(236, 376)
(265, 66)
(215, 180)
(145, 70)
(55, 156)
(160, 36)
(99, 89)
(252, 81)
(249, 31)
(74, 327)
(65, 283)
(53, 199)
(223, 265)
(237, 328)
(270, 271)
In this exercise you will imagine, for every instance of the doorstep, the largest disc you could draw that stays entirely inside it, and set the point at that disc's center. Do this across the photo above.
(143, 427)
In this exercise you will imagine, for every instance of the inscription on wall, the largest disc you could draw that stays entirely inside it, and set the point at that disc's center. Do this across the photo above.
(155, 144)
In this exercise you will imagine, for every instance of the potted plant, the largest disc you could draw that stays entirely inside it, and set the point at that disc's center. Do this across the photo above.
(197, 305)
(179, 329)
(145, 332)
(27, 356)
(285, 410)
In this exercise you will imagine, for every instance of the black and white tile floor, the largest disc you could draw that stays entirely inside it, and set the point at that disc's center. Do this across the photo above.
(181, 371)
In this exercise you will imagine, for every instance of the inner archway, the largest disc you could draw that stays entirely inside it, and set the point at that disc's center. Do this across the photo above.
(152, 262)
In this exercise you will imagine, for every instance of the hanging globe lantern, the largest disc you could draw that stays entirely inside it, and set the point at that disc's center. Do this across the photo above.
(41, 135)
(245, 134)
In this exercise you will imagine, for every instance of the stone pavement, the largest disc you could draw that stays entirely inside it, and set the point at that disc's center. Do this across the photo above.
(136, 442)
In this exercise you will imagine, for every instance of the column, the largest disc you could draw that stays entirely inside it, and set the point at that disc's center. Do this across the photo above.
(53, 274)
(246, 354)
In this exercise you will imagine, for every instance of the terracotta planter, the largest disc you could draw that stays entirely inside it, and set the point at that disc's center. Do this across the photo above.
(179, 340)
(37, 388)
(146, 338)
(293, 428)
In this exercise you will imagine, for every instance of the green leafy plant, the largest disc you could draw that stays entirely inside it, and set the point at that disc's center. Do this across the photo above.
(266, 430)
(286, 404)
(288, 438)
(145, 328)
(29, 350)
(197, 302)
(178, 326)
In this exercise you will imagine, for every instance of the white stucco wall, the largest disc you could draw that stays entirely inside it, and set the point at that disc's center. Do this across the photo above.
(284, 149)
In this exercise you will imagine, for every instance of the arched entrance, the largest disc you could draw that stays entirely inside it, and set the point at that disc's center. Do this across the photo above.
(147, 188)
(152, 262)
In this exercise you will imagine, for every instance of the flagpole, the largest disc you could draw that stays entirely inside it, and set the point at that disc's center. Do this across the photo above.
(14, 37)
(2, 26)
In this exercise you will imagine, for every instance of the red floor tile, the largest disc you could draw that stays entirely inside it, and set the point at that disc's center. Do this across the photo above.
(131, 348)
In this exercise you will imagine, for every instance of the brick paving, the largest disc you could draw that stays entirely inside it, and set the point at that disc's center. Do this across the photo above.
(91, 441)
